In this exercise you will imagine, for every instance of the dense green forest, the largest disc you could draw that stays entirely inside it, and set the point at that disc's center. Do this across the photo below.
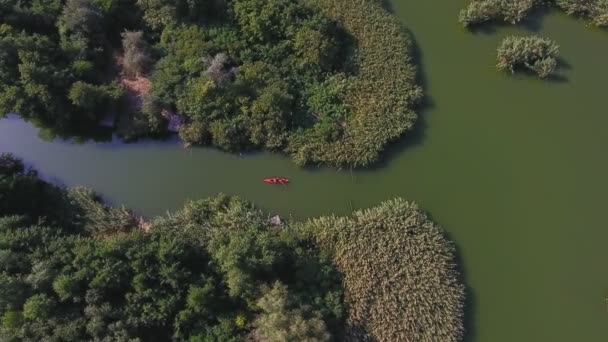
(513, 11)
(74, 269)
(326, 81)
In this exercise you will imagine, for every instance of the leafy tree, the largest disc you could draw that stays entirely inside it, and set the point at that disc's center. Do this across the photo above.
(80, 26)
(38, 306)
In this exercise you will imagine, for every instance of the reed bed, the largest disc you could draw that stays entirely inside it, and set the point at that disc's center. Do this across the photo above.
(510, 11)
(513, 11)
(400, 277)
(533, 53)
(381, 95)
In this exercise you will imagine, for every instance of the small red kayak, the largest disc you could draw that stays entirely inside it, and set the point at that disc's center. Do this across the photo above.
(276, 180)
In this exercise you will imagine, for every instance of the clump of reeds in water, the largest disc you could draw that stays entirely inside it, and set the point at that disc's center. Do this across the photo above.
(513, 11)
(510, 11)
(400, 277)
(534, 53)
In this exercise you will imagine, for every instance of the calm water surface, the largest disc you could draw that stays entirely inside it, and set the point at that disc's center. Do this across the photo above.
(514, 168)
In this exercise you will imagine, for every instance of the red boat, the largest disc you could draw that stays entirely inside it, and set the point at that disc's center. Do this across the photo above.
(276, 180)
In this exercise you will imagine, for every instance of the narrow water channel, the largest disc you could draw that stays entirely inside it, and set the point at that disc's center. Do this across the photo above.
(514, 168)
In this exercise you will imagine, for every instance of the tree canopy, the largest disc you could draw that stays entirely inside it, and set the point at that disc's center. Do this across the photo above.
(74, 269)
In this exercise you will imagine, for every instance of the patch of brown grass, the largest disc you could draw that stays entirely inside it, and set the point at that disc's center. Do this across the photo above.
(400, 277)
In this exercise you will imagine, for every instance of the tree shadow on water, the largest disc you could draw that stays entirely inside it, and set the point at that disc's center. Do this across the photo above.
(559, 76)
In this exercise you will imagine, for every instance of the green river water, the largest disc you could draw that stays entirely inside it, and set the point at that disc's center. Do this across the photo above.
(513, 167)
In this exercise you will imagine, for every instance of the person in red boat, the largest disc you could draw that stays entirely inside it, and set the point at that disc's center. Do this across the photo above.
(276, 180)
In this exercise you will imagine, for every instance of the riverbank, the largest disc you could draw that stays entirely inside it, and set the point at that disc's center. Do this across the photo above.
(218, 267)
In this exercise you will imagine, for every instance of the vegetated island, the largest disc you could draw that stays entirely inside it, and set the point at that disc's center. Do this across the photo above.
(325, 81)
(534, 53)
(74, 269)
(513, 11)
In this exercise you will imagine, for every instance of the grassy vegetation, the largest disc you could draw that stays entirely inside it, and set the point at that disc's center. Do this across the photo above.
(534, 53)
(381, 94)
(74, 269)
(596, 10)
(513, 11)
(400, 279)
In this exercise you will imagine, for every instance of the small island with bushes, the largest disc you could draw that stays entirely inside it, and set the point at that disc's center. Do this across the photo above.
(75, 269)
(325, 81)
(533, 53)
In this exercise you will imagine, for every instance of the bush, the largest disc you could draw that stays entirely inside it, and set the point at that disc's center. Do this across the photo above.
(533, 53)
(400, 279)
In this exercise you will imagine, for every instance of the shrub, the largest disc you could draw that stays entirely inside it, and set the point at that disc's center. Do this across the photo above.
(533, 53)
(83, 68)
(400, 279)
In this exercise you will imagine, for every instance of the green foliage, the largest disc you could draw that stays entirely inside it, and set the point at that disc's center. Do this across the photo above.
(160, 13)
(533, 53)
(11, 321)
(50, 50)
(218, 271)
(194, 133)
(23, 193)
(38, 307)
(381, 95)
(400, 280)
(94, 100)
(92, 274)
(278, 322)
(277, 75)
(83, 69)
(248, 74)
(90, 213)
